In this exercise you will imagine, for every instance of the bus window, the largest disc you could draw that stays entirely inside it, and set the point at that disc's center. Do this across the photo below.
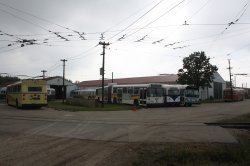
(173, 92)
(130, 90)
(124, 90)
(114, 90)
(159, 92)
(35, 89)
(18, 88)
(155, 92)
(136, 91)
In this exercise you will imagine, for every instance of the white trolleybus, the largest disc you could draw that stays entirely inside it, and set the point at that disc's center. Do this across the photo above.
(137, 94)
(189, 95)
(172, 94)
(84, 93)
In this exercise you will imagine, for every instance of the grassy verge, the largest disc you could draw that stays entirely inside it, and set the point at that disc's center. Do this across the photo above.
(194, 154)
(58, 105)
(199, 154)
(239, 119)
(212, 101)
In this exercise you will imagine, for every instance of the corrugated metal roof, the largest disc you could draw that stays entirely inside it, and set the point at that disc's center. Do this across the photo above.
(167, 78)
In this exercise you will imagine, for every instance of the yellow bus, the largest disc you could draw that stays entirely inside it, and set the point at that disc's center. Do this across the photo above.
(27, 93)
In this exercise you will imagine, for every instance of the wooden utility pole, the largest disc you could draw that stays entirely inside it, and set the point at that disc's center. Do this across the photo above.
(103, 68)
(230, 76)
(64, 94)
(43, 71)
(112, 77)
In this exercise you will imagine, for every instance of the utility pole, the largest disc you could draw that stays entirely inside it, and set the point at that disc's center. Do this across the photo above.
(64, 94)
(103, 69)
(230, 76)
(112, 77)
(43, 71)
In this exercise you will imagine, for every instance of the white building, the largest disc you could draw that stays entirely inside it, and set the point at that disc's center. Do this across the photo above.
(57, 84)
(216, 90)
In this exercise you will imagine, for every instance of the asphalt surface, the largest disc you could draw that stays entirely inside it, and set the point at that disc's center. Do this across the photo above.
(170, 124)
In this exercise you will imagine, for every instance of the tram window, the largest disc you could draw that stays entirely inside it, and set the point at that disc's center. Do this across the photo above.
(125, 90)
(114, 90)
(136, 91)
(130, 90)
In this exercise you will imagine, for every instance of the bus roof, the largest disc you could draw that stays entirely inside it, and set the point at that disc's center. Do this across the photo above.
(41, 82)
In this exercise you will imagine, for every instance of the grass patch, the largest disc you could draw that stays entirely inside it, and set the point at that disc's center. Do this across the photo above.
(199, 154)
(212, 101)
(239, 119)
(194, 154)
(58, 105)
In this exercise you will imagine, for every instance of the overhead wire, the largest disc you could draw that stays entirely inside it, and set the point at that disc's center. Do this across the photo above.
(43, 19)
(135, 21)
(27, 21)
(195, 13)
(172, 8)
(237, 17)
(140, 27)
(133, 14)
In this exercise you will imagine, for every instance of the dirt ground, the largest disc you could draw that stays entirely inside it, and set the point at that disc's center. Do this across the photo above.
(48, 137)
(18, 149)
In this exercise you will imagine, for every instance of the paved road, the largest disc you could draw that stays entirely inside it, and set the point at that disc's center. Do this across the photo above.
(171, 124)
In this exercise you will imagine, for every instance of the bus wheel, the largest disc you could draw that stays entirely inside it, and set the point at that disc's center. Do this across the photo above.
(115, 101)
(17, 104)
(136, 102)
(190, 104)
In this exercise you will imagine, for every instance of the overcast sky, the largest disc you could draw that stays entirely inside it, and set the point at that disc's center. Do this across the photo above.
(148, 37)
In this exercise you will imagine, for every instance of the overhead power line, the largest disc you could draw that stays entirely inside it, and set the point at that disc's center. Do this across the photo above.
(175, 6)
(133, 14)
(238, 16)
(137, 19)
(43, 19)
(27, 21)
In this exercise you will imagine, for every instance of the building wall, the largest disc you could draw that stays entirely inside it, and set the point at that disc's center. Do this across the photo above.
(59, 83)
(215, 92)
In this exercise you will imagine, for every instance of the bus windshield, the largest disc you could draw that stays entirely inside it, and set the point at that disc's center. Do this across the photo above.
(191, 93)
(173, 91)
(154, 92)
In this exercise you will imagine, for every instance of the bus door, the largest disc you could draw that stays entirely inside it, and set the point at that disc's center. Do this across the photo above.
(143, 95)
(119, 95)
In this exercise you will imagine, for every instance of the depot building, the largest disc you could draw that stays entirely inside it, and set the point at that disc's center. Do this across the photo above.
(215, 91)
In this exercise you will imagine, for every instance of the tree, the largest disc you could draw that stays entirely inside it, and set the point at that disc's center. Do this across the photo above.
(197, 70)
(8, 79)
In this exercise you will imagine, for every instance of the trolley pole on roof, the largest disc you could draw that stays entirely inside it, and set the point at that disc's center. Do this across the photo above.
(64, 94)
(103, 69)
(230, 76)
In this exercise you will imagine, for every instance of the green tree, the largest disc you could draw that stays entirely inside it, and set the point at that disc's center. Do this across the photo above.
(8, 79)
(197, 70)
